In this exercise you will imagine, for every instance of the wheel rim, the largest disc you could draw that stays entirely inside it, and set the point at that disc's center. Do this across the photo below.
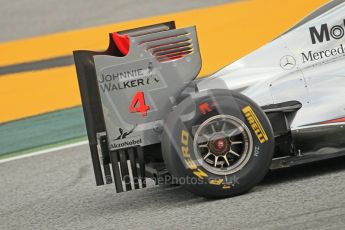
(223, 144)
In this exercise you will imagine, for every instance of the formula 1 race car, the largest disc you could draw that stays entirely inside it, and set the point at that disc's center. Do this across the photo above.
(147, 115)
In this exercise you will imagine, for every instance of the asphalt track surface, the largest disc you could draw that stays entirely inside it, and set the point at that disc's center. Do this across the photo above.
(56, 191)
(27, 18)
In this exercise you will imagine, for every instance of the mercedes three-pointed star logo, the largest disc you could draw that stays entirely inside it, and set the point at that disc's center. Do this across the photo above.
(288, 62)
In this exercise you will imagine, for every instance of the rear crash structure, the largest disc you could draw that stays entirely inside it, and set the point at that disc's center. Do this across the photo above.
(148, 116)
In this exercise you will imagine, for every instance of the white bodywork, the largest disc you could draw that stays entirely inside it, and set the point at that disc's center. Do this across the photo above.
(292, 68)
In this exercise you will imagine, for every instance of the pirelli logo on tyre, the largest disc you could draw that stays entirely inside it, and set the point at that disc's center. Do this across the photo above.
(255, 124)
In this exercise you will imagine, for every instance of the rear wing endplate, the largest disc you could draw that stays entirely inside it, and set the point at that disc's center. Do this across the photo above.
(159, 61)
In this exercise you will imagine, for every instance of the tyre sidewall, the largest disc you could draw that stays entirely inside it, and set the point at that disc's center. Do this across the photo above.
(185, 167)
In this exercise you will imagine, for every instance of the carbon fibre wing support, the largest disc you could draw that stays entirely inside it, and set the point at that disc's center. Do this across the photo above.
(156, 62)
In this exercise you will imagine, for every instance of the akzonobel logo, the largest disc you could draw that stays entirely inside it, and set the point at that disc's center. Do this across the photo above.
(326, 33)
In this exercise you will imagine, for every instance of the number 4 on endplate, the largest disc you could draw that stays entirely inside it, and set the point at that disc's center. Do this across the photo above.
(138, 104)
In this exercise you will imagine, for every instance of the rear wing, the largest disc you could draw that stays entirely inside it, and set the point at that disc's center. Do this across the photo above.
(128, 89)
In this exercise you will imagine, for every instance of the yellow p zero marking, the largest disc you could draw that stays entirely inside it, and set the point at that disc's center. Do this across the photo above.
(255, 124)
(188, 160)
(200, 174)
(216, 181)
(226, 186)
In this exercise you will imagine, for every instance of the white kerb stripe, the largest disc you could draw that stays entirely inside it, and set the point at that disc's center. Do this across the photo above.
(44, 151)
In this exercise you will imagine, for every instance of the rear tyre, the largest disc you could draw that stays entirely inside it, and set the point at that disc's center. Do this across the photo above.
(217, 144)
